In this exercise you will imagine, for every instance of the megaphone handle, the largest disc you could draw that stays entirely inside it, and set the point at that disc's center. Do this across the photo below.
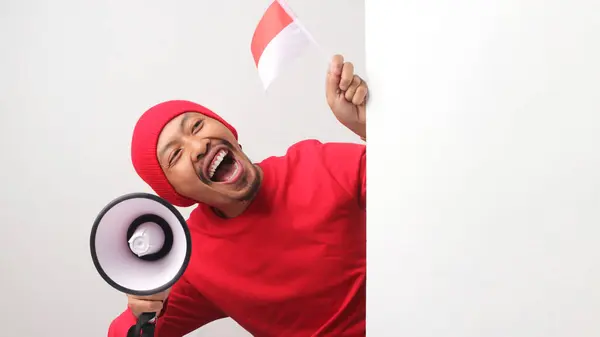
(143, 328)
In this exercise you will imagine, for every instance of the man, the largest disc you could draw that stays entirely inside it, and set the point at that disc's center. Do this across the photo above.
(278, 246)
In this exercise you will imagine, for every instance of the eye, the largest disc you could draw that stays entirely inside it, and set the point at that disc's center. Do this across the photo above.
(174, 156)
(197, 125)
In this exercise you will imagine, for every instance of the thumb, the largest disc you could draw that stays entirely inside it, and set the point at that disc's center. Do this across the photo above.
(334, 75)
(333, 86)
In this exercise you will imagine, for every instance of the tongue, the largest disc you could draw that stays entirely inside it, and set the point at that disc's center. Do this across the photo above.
(224, 171)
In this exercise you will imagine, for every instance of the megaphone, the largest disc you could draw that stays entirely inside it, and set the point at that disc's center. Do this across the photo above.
(140, 245)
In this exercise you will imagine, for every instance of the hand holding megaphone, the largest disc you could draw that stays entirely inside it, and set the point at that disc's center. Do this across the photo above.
(141, 245)
(149, 304)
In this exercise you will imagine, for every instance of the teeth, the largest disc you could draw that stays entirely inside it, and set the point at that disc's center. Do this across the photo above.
(216, 162)
(235, 170)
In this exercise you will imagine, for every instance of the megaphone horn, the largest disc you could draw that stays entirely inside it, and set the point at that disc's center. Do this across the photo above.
(140, 244)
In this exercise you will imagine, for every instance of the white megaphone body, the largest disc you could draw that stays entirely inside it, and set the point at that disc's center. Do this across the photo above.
(140, 245)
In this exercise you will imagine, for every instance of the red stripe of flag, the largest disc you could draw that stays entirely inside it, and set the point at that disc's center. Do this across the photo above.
(273, 21)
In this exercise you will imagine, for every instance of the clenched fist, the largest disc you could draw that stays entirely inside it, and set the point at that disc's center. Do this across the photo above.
(347, 95)
(141, 304)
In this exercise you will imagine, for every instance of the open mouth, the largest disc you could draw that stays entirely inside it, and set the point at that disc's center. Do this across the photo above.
(224, 168)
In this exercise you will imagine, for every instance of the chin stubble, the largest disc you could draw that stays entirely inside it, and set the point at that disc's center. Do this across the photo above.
(254, 186)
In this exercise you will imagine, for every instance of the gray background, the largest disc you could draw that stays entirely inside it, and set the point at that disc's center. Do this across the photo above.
(484, 168)
(75, 76)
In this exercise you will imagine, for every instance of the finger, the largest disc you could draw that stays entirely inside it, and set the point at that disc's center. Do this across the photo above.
(347, 76)
(140, 306)
(332, 91)
(335, 67)
(333, 78)
(349, 94)
(155, 297)
(362, 115)
(360, 96)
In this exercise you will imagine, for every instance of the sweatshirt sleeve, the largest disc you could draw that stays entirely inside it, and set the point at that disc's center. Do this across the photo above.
(347, 164)
(186, 310)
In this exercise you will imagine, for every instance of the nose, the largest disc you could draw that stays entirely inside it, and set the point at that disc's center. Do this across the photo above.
(198, 149)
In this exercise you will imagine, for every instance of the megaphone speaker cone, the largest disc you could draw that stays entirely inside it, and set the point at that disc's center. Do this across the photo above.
(140, 244)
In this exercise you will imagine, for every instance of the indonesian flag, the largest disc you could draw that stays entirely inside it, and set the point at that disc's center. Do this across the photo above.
(278, 39)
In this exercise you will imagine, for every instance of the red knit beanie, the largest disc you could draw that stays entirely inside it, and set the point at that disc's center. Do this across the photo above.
(145, 139)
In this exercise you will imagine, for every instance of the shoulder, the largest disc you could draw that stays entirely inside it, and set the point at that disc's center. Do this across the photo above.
(325, 152)
(305, 147)
(312, 152)
(299, 151)
(343, 163)
(312, 169)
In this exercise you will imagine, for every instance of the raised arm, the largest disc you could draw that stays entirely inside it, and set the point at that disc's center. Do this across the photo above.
(347, 95)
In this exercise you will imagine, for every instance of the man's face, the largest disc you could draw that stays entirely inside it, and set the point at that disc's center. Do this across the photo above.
(203, 161)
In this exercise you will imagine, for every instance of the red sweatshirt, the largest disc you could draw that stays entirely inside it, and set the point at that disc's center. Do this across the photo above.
(292, 265)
